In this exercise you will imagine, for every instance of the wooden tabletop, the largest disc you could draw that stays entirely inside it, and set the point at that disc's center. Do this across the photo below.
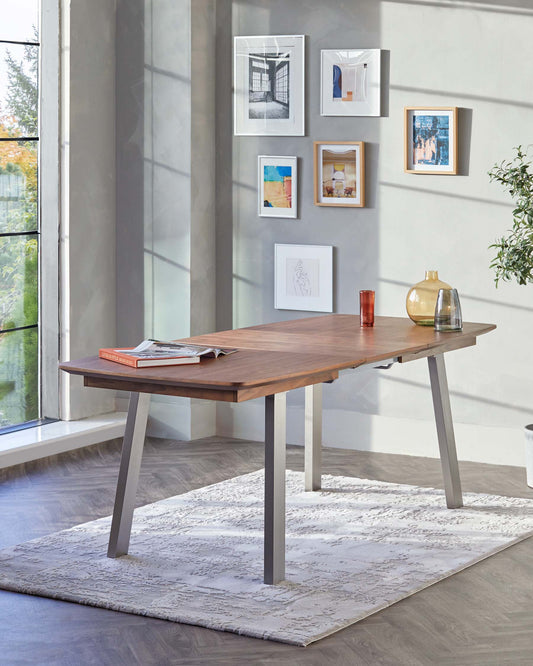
(279, 357)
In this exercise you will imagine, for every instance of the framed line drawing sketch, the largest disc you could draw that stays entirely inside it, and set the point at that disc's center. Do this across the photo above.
(430, 139)
(339, 173)
(277, 186)
(350, 82)
(268, 96)
(303, 277)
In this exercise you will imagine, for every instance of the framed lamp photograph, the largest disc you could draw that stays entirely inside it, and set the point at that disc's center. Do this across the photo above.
(430, 139)
(303, 277)
(340, 173)
(350, 82)
(268, 93)
(277, 186)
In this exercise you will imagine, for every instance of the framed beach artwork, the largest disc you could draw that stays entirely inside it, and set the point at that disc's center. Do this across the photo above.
(269, 85)
(430, 139)
(304, 277)
(350, 82)
(277, 186)
(340, 173)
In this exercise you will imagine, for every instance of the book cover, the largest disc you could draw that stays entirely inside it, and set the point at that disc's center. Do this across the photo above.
(140, 360)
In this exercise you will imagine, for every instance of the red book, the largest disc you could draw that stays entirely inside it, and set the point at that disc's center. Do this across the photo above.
(144, 361)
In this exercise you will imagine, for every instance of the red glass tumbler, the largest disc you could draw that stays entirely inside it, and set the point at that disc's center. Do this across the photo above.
(366, 307)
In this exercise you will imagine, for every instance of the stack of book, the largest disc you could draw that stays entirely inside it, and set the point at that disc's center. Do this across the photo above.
(152, 353)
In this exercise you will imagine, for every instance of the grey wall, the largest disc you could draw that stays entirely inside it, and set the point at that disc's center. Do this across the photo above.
(130, 138)
(173, 104)
(433, 54)
(224, 165)
(166, 185)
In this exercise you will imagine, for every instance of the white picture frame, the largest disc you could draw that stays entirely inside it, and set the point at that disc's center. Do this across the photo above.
(350, 82)
(268, 98)
(303, 277)
(277, 186)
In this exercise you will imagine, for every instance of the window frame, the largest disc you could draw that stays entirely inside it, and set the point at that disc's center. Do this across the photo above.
(35, 232)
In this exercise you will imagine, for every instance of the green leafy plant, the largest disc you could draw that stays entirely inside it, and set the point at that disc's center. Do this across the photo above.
(514, 252)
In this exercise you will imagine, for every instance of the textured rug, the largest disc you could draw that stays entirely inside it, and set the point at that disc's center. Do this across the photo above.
(352, 549)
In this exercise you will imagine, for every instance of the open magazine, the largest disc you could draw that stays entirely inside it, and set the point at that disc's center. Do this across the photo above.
(151, 353)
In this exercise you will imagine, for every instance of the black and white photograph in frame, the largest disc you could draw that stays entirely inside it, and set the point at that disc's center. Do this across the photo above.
(303, 277)
(269, 85)
(350, 82)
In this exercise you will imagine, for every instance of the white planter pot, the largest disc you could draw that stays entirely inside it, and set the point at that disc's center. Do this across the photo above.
(528, 430)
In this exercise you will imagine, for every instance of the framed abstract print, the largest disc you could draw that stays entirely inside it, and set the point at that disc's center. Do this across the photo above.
(430, 139)
(277, 186)
(350, 82)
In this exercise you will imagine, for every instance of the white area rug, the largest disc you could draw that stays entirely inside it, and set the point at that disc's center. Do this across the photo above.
(352, 549)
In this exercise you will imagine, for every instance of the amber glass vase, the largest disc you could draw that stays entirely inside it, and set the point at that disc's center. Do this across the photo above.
(422, 298)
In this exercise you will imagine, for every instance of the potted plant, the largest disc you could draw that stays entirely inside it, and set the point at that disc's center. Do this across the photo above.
(514, 257)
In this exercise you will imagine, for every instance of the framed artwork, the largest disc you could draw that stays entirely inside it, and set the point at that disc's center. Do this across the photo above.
(350, 82)
(304, 277)
(339, 173)
(430, 139)
(269, 85)
(277, 186)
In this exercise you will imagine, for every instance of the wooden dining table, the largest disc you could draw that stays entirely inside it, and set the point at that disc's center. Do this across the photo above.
(271, 360)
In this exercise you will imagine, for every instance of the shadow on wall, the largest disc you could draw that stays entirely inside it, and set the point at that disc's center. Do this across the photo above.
(515, 7)
(489, 301)
(460, 394)
(385, 83)
(461, 95)
(451, 195)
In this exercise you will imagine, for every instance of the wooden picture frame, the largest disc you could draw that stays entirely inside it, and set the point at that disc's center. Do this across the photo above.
(430, 140)
(268, 97)
(277, 186)
(303, 277)
(339, 186)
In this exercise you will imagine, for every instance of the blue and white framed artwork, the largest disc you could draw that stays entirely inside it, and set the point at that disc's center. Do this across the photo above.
(430, 139)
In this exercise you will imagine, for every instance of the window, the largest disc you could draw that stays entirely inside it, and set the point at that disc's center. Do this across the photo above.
(19, 213)
(282, 83)
(256, 81)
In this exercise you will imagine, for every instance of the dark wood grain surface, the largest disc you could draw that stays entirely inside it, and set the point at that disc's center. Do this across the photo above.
(279, 357)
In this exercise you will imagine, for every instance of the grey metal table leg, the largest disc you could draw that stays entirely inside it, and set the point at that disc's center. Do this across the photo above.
(443, 419)
(128, 477)
(313, 437)
(275, 440)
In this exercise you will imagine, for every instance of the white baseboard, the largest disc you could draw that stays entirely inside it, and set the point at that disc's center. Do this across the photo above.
(342, 429)
(369, 432)
(46, 440)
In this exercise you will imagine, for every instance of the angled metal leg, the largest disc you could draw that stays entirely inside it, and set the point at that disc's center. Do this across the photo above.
(443, 419)
(128, 477)
(275, 439)
(313, 437)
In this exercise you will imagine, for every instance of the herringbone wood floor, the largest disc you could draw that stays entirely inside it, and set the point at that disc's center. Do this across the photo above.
(481, 616)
